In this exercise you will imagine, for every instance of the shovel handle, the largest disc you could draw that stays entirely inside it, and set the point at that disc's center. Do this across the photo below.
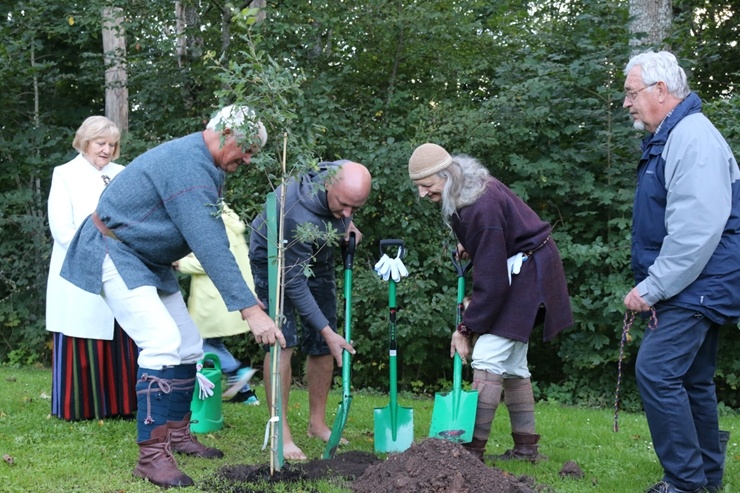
(461, 266)
(392, 347)
(390, 243)
(348, 251)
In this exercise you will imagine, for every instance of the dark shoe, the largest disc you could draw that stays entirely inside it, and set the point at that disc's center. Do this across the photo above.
(156, 462)
(525, 449)
(663, 487)
(247, 397)
(181, 440)
(476, 447)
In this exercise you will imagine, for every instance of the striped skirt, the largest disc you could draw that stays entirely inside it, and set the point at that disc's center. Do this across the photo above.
(92, 378)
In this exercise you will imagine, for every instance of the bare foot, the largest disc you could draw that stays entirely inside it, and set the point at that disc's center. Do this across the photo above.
(292, 452)
(324, 434)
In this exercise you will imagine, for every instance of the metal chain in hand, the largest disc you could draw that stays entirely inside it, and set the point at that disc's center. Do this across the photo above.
(629, 320)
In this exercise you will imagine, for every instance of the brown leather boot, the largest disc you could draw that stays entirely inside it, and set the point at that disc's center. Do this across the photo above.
(156, 462)
(476, 447)
(181, 440)
(525, 448)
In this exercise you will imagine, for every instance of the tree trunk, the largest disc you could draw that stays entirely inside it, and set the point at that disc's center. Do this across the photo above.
(227, 14)
(189, 47)
(114, 55)
(651, 23)
(259, 4)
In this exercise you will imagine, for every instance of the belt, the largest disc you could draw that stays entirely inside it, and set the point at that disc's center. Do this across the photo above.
(530, 252)
(102, 227)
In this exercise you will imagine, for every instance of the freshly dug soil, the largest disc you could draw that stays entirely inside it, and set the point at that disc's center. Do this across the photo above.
(256, 479)
(431, 466)
(438, 466)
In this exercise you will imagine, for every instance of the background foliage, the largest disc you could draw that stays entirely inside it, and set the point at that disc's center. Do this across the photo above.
(531, 89)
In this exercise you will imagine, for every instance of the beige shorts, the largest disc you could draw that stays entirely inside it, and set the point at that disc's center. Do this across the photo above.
(501, 356)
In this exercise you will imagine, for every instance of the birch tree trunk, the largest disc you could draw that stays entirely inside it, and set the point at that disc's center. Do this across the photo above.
(189, 47)
(114, 55)
(651, 23)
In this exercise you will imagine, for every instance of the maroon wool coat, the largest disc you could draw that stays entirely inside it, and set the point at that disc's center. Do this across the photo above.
(497, 226)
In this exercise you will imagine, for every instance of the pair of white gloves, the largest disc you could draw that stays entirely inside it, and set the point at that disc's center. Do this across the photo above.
(205, 386)
(388, 268)
(393, 267)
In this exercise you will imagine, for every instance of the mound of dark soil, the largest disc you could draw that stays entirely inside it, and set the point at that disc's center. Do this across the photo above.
(431, 466)
(438, 466)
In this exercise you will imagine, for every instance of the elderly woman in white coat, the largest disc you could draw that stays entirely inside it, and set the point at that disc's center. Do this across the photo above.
(94, 361)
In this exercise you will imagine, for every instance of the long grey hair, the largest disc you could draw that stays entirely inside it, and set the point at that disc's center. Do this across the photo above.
(466, 181)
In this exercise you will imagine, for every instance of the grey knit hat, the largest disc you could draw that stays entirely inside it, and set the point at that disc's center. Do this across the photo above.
(427, 160)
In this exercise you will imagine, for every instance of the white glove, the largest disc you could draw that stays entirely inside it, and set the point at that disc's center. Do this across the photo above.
(399, 270)
(205, 385)
(514, 264)
(383, 267)
(388, 268)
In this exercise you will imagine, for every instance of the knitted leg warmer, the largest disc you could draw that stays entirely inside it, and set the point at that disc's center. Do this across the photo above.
(153, 388)
(489, 387)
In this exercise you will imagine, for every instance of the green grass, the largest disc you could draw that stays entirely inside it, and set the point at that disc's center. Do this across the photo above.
(50, 455)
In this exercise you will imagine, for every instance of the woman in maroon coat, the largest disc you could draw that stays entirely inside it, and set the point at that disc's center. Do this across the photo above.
(518, 283)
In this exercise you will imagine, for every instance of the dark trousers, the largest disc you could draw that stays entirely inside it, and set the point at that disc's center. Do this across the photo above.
(675, 375)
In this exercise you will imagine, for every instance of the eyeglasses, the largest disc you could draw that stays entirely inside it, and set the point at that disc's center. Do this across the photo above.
(631, 95)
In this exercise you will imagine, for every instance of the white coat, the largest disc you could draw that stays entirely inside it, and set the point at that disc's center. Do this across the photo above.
(205, 305)
(75, 189)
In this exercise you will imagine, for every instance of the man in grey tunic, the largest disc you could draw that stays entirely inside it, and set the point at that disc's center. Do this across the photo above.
(161, 207)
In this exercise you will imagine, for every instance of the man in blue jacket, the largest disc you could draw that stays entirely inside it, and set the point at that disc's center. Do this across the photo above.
(685, 244)
(161, 207)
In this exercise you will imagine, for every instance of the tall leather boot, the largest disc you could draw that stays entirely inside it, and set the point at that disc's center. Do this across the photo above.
(525, 448)
(489, 387)
(519, 400)
(181, 440)
(156, 462)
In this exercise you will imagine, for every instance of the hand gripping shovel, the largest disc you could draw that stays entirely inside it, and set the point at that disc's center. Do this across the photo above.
(394, 425)
(343, 410)
(453, 416)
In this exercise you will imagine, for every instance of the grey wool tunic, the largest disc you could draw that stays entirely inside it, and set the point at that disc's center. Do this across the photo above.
(161, 207)
(497, 226)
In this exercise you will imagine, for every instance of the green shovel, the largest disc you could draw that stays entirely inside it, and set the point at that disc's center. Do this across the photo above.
(343, 410)
(453, 416)
(394, 424)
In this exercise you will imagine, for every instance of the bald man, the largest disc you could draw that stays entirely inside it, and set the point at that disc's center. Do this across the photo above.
(325, 199)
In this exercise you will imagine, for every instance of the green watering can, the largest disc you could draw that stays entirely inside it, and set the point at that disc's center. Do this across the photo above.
(206, 413)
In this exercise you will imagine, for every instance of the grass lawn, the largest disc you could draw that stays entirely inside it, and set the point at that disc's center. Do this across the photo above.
(50, 455)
